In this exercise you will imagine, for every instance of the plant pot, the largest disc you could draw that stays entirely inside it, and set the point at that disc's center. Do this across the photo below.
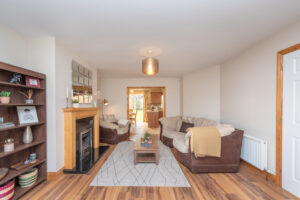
(75, 105)
(5, 100)
(29, 101)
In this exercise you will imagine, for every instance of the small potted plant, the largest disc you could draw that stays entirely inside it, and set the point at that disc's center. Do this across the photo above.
(29, 94)
(5, 97)
(147, 137)
(152, 108)
(75, 103)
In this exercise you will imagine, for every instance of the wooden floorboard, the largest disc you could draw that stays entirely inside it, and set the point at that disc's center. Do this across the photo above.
(244, 185)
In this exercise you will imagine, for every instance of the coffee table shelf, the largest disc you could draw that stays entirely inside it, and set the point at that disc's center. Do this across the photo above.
(146, 154)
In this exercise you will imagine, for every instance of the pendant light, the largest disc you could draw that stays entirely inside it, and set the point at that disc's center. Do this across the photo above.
(150, 65)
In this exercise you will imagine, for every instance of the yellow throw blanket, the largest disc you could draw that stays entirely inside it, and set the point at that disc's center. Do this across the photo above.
(205, 141)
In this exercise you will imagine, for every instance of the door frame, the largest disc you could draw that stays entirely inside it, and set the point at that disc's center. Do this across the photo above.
(146, 87)
(279, 110)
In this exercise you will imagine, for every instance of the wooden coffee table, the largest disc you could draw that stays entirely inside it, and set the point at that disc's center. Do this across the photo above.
(146, 154)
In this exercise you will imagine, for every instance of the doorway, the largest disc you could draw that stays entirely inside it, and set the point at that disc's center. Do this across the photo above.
(136, 106)
(142, 100)
(291, 123)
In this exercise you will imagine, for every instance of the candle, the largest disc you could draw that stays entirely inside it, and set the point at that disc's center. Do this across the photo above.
(67, 92)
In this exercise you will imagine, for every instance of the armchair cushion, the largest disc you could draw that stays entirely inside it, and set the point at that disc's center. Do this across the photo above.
(108, 125)
(109, 118)
(123, 123)
(114, 126)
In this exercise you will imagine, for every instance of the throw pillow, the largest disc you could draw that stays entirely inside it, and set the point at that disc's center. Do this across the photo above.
(178, 126)
(185, 126)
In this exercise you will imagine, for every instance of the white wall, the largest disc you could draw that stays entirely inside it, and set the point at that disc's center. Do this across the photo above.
(115, 91)
(45, 55)
(41, 58)
(248, 89)
(63, 80)
(201, 93)
(13, 47)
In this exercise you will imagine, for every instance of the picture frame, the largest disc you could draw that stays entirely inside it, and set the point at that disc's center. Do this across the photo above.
(27, 114)
(32, 82)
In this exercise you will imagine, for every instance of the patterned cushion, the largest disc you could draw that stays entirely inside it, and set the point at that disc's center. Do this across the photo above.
(185, 126)
(207, 122)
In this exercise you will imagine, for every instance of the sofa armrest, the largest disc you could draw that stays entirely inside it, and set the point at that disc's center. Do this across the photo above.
(230, 147)
(108, 125)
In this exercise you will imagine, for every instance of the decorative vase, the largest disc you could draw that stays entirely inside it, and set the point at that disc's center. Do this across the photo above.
(5, 100)
(27, 136)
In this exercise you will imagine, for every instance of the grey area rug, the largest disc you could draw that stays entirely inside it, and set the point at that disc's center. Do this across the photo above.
(119, 169)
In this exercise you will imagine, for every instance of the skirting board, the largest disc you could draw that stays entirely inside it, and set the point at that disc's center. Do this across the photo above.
(51, 176)
(266, 175)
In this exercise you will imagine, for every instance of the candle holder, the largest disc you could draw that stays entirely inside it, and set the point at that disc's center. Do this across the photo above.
(67, 101)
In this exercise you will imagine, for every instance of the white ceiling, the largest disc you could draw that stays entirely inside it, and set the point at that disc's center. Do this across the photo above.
(185, 35)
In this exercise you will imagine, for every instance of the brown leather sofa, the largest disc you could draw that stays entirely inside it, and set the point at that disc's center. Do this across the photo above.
(230, 147)
(228, 162)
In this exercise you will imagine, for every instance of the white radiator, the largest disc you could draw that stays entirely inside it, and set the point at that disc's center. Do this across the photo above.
(255, 152)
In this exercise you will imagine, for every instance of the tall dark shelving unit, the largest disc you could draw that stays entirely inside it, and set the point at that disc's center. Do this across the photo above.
(9, 112)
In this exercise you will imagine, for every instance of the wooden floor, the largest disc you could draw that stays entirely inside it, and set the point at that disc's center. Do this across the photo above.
(245, 184)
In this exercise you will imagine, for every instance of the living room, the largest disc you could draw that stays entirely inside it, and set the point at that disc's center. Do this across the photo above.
(224, 68)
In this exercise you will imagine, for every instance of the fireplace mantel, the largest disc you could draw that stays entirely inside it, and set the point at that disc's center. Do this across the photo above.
(70, 117)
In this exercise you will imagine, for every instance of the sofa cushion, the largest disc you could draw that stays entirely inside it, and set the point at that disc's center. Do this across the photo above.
(179, 123)
(169, 123)
(207, 122)
(198, 121)
(179, 142)
(188, 119)
(225, 129)
(185, 126)
(172, 134)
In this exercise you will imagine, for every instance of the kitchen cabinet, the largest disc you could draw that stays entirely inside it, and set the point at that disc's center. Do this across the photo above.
(156, 98)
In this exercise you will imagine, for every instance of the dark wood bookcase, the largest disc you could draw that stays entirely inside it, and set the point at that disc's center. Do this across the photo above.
(9, 112)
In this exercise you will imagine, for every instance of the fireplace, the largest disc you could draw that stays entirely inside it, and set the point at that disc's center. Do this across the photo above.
(84, 143)
(81, 139)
